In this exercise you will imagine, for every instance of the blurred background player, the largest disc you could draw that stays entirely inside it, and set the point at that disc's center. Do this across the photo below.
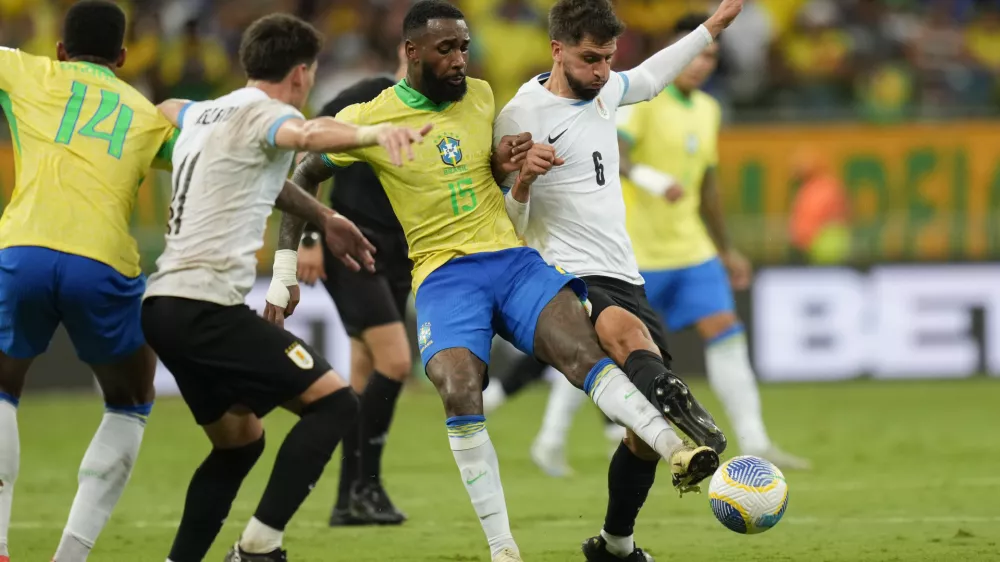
(232, 366)
(372, 307)
(473, 276)
(669, 153)
(84, 140)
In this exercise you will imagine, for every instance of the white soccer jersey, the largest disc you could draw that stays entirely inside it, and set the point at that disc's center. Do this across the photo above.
(576, 216)
(227, 176)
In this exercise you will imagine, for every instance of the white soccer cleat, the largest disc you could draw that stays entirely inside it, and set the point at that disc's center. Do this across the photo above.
(507, 555)
(551, 459)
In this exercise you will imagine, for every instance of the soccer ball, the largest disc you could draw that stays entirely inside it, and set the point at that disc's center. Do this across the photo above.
(748, 495)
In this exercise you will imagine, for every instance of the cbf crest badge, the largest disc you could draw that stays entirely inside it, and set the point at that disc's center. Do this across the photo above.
(424, 336)
(450, 150)
(691, 143)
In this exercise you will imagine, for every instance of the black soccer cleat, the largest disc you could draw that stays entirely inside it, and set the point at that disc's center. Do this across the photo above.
(595, 549)
(345, 517)
(370, 502)
(236, 554)
(682, 409)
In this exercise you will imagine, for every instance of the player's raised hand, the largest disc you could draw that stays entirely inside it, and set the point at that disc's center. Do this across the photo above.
(398, 141)
(348, 244)
(539, 159)
(724, 15)
(511, 151)
(739, 268)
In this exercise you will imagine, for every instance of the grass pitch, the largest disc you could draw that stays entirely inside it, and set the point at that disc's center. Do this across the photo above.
(905, 471)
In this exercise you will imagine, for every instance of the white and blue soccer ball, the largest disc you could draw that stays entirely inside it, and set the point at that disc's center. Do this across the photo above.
(748, 494)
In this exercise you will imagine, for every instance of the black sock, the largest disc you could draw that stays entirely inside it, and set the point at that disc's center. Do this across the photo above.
(525, 372)
(304, 454)
(350, 466)
(378, 403)
(209, 498)
(629, 481)
(643, 367)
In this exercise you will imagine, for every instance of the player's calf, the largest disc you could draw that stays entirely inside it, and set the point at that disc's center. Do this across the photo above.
(458, 376)
(329, 409)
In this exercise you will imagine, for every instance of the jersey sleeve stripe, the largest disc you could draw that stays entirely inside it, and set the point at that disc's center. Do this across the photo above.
(626, 136)
(625, 80)
(8, 109)
(182, 113)
(330, 163)
(273, 131)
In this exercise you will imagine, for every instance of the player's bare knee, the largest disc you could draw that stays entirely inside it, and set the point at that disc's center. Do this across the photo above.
(235, 429)
(712, 326)
(128, 381)
(395, 364)
(639, 448)
(324, 386)
(621, 333)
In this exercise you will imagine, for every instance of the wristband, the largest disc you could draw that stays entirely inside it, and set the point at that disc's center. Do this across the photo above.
(651, 180)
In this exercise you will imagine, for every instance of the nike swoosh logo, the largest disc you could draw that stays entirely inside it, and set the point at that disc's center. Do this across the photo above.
(629, 395)
(471, 481)
(552, 140)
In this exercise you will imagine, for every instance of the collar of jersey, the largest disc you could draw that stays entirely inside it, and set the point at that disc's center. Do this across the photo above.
(416, 100)
(100, 69)
(675, 92)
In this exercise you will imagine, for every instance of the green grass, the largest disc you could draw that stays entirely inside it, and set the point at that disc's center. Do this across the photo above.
(905, 471)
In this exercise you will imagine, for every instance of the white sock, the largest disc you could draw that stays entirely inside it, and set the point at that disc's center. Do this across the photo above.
(493, 397)
(10, 456)
(259, 538)
(619, 546)
(733, 381)
(480, 471)
(104, 472)
(621, 401)
(564, 401)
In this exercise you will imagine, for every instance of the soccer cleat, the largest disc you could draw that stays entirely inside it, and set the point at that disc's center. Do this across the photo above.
(507, 555)
(680, 407)
(344, 517)
(236, 554)
(781, 459)
(595, 549)
(689, 466)
(369, 502)
(551, 459)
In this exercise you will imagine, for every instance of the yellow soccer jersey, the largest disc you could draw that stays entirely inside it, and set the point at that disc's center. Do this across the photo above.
(446, 199)
(678, 136)
(83, 140)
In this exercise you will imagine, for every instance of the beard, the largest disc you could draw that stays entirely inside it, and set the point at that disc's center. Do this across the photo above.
(580, 89)
(439, 90)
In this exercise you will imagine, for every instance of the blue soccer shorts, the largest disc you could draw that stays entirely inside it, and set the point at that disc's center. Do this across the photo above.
(468, 300)
(100, 307)
(686, 295)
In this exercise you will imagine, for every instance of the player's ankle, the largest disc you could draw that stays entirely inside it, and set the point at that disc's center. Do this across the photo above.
(259, 538)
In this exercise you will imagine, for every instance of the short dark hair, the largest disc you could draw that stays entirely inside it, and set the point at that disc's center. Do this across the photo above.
(572, 20)
(94, 29)
(426, 10)
(273, 45)
(689, 23)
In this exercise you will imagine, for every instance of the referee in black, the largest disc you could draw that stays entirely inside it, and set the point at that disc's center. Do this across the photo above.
(372, 307)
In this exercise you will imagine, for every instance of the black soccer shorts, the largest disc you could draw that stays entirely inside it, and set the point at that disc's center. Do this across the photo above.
(367, 300)
(225, 356)
(605, 292)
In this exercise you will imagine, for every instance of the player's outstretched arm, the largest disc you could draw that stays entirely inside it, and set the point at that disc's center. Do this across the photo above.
(538, 160)
(648, 79)
(326, 134)
(309, 174)
(736, 264)
(171, 109)
(647, 177)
